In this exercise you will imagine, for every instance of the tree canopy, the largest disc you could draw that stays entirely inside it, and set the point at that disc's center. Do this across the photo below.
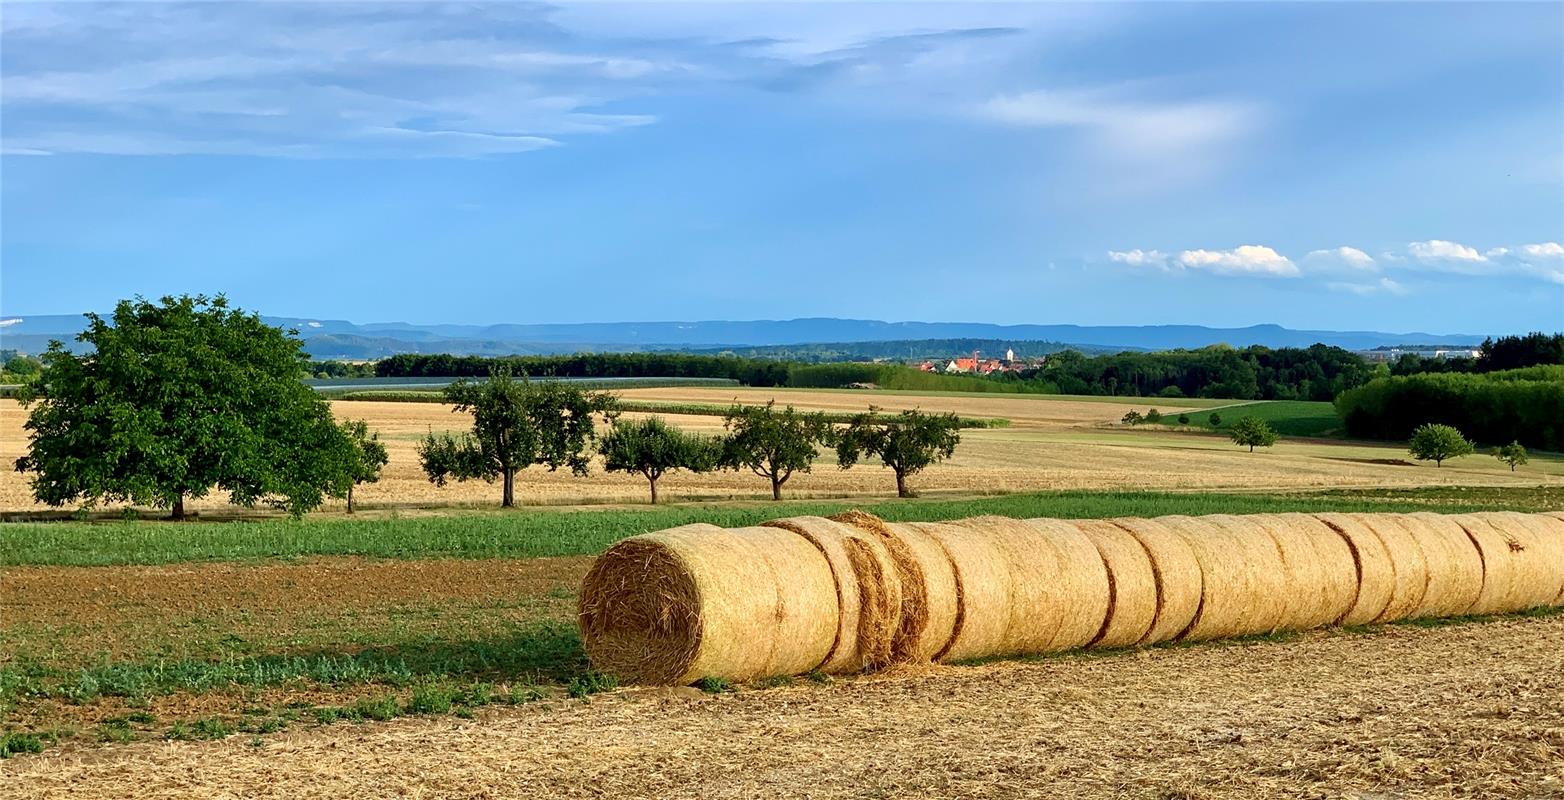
(770, 443)
(653, 448)
(906, 443)
(516, 423)
(1436, 443)
(174, 398)
(366, 456)
(1252, 432)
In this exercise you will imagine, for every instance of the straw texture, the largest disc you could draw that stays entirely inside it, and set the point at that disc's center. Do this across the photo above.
(1132, 584)
(1411, 569)
(1376, 572)
(1177, 574)
(868, 588)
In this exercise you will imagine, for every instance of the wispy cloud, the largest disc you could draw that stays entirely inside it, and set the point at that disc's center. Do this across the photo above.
(1350, 258)
(1381, 286)
(1249, 259)
(1544, 260)
(1128, 126)
(1439, 251)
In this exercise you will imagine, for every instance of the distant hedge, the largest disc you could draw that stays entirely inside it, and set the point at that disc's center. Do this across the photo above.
(748, 371)
(1525, 405)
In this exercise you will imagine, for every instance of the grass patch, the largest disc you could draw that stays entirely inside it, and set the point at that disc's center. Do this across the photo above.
(1304, 418)
(556, 532)
(711, 685)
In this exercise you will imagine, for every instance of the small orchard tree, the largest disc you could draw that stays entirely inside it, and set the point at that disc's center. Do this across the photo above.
(1215, 419)
(907, 442)
(1434, 442)
(1183, 419)
(516, 423)
(365, 458)
(169, 400)
(1512, 454)
(1153, 417)
(652, 448)
(1131, 417)
(1252, 432)
(770, 443)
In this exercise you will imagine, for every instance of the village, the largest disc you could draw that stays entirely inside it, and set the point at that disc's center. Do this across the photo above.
(977, 365)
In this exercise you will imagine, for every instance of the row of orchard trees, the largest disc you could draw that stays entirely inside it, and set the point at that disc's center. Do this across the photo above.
(519, 423)
(168, 401)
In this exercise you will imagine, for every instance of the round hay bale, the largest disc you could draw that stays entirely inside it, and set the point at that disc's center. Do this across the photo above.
(1083, 581)
(1411, 569)
(1327, 573)
(701, 601)
(868, 588)
(1269, 579)
(1509, 575)
(1543, 539)
(982, 579)
(1553, 523)
(1132, 584)
(1037, 601)
(1226, 596)
(930, 602)
(1177, 574)
(1455, 568)
(1376, 572)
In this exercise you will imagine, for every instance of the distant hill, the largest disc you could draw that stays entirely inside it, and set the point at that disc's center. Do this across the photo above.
(904, 350)
(341, 339)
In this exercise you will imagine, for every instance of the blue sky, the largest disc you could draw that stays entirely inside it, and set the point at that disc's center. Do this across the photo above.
(1369, 166)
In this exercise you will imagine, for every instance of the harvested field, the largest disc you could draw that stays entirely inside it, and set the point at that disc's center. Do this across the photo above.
(1052, 444)
(1471, 710)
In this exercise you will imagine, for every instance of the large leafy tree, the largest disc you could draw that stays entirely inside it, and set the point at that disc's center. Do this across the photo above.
(653, 448)
(169, 400)
(906, 443)
(366, 456)
(1252, 432)
(516, 423)
(770, 443)
(1436, 443)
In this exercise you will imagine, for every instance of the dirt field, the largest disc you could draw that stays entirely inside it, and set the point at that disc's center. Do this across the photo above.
(1469, 710)
(1053, 443)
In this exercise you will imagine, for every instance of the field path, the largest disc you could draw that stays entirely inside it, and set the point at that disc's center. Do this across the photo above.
(1464, 710)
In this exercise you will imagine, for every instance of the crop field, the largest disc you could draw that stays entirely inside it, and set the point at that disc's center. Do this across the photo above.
(1051, 443)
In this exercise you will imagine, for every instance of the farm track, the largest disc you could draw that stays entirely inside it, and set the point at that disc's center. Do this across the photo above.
(1464, 710)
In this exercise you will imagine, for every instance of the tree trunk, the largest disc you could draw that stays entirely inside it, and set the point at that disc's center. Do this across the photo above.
(350, 498)
(653, 482)
(509, 500)
(178, 512)
(901, 485)
(776, 487)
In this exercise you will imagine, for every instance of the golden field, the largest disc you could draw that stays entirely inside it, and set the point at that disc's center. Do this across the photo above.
(1052, 443)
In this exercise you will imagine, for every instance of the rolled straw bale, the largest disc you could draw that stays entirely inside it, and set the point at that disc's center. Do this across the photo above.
(1132, 584)
(696, 601)
(1544, 547)
(1411, 569)
(1270, 600)
(1226, 595)
(1509, 575)
(1322, 567)
(1553, 523)
(1177, 573)
(1455, 568)
(1037, 603)
(1083, 581)
(929, 594)
(983, 589)
(1376, 572)
(868, 588)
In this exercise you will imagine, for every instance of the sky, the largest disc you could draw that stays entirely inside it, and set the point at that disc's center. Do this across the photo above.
(1392, 167)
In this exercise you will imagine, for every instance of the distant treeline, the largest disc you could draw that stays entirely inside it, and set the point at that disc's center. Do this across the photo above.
(1318, 372)
(1504, 353)
(748, 371)
(1525, 405)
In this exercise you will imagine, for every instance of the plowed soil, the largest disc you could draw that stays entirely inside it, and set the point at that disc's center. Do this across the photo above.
(1469, 710)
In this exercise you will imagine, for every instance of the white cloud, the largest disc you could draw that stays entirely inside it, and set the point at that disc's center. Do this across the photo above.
(1439, 250)
(1381, 286)
(1350, 257)
(1139, 258)
(1249, 259)
(1544, 251)
(1129, 127)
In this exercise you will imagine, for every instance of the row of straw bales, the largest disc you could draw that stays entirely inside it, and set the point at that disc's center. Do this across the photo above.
(853, 593)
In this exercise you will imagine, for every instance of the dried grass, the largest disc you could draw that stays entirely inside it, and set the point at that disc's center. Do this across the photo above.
(1509, 572)
(1266, 602)
(1083, 583)
(1322, 569)
(700, 601)
(1543, 538)
(982, 577)
(930, 595)
(1177, 573)
(1037, 592)
(1411, 568)
(1376, 571)
(1455, 568)
(1132, 584)
(868, 588)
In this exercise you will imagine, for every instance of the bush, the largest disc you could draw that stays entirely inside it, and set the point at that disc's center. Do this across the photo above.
(1525, 406)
